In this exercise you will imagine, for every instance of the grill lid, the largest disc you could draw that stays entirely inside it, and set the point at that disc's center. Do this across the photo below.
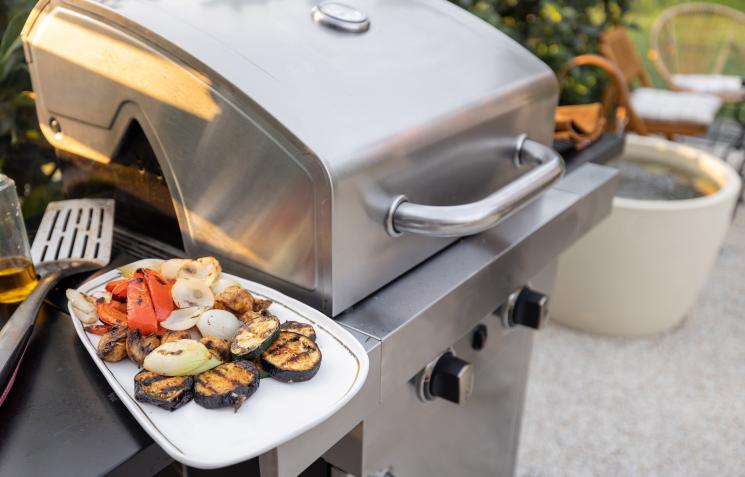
(339, 91)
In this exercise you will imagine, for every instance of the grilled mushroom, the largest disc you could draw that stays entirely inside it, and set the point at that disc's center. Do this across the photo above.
(175, 335)
(166, 392)
(228, 384)
(304, 329)
(112, 347)
(235, 299)
(261, 304)
(219, 347)
(292, 357)
(139, 346)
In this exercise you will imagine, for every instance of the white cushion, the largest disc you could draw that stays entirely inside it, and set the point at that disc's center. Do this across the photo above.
(714, 84)
(675, 106)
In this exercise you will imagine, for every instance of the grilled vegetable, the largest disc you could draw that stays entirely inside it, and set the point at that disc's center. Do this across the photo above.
(304, 329)
(166, 392)
(182, 318)
(235, 299)
(112, 347)
(180, 358)
(175, 335)
(261, 304)
(188, 292)
(249, 316)
(140, 313)
(292, 358)
(206, 269)
(263, 372)
(118, 289)
(99, 330)
(219, 323)
(160, 293)
(83, 305)
(130, 270)
(111, 313)
(139, 346)
(221, 284)
(170, 268)
(229, 384)
(254, 337)
(219, 347)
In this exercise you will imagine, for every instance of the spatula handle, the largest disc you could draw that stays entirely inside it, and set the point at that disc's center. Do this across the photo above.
(16, 333)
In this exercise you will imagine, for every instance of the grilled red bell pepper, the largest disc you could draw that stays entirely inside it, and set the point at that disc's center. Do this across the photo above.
(140, 312)
(118, 289)
(97, 329)
(111, 313)
(160, 293)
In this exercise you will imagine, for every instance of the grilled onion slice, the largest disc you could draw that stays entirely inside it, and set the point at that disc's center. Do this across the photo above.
(292, 358)
(226, 385)
(191, 292)
(166, 392)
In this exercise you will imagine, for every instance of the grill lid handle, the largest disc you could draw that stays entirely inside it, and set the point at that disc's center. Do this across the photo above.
(468, 219)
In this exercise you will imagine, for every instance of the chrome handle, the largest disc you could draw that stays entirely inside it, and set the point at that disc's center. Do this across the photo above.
(468, 219)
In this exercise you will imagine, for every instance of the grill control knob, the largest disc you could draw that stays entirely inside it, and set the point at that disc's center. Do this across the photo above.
(452, 379)
(525, 307)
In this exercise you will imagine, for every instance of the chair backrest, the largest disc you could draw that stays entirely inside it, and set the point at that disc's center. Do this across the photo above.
(698, 38)
(616, 45)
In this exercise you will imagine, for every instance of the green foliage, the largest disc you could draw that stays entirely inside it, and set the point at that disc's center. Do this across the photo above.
(24, 154)
(556, 31)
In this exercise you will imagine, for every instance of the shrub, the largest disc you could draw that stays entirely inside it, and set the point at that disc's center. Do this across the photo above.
(556, 31)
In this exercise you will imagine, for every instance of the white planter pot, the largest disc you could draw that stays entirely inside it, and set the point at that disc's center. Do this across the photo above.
(640, 270)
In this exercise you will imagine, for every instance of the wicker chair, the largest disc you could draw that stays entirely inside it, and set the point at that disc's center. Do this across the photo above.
(661, 111)
(701, 47)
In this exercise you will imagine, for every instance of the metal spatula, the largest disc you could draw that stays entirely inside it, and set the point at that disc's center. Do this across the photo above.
(74, 236)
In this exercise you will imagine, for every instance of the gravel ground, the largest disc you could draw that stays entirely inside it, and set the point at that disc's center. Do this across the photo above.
(672, 405)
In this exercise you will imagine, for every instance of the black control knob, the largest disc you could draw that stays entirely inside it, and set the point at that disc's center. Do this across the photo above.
(530, 309)
(452, 379)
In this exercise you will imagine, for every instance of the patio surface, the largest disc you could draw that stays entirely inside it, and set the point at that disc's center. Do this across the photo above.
(671, 405)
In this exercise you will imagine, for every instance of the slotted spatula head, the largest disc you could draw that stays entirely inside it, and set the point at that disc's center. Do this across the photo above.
(74, 233)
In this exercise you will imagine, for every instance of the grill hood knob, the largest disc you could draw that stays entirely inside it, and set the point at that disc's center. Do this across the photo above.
(452, 379)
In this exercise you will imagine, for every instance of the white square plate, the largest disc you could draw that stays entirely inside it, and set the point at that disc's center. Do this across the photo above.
(276, 413)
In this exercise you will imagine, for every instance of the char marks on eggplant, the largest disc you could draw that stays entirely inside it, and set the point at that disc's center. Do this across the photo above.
(292, 357)
(166, 392)
(227, 385)
(254, 337)
(304, 329)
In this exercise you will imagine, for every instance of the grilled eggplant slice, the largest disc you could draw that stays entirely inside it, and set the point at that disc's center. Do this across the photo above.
(292, 357)
(166, 392)
(235, 299)
(139, 346)
(175, 335)
(112, 347)
(228, 384)
(261, 369)
(304, 329)
(254, 337)
(219, 347)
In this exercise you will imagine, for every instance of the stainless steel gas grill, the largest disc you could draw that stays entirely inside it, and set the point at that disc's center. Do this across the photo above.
(339, 152)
